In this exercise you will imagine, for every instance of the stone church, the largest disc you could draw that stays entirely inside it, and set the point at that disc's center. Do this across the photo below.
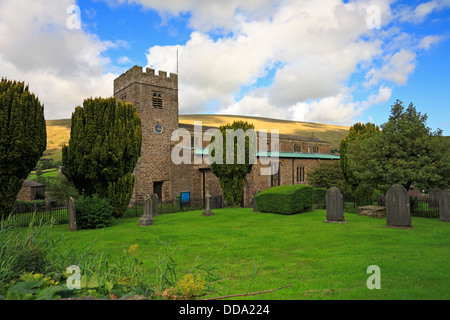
(155, 97)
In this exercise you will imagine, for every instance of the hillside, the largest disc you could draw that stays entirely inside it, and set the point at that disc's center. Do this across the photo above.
(331, 133)
(58, 131)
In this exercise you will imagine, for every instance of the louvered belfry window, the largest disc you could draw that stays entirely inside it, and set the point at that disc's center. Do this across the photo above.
(157, 100)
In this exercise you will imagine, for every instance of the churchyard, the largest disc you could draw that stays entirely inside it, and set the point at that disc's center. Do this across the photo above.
(317, 254)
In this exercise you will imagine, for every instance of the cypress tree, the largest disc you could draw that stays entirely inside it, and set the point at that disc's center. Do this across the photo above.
(104, 146)
(23, 139)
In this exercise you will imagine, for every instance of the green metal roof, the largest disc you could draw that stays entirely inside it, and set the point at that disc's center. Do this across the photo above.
(297, 155)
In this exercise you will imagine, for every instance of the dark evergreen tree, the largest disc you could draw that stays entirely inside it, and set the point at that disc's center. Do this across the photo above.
(23, 139)
(104, 146)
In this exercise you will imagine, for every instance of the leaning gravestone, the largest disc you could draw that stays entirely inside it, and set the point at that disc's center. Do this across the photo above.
(335, 206)
(397, 207)
(444, 206)
(155, 203)
(433, 198)
(72, 215)
(208, 212)
(147, 216)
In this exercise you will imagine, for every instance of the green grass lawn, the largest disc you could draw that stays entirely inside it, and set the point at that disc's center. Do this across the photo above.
(261, 251)
(48, 173)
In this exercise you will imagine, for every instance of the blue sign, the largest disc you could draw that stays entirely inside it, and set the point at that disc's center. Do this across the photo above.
(185, 197)
(158, 128)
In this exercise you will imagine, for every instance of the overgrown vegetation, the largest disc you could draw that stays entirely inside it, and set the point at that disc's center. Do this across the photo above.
(229, 168)
(93, 212)
(37, 267)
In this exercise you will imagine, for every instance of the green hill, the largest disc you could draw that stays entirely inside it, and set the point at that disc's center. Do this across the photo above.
(58, 131)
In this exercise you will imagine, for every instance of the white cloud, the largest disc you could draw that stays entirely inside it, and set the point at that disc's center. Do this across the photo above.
(318, 46)
(397, 68)
(61, 66)
(311, 49)
(428, 41)
(419, 14)
(124, 60)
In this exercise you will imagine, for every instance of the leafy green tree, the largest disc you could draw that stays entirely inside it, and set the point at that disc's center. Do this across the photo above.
(61, 189)
(23, 139)
(104, 147)
(233, 169)
(405, 152)
(351, 145)
(328, 174)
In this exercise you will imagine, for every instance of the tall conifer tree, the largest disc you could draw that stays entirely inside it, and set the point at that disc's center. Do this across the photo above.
(23, 139)
(104, 146)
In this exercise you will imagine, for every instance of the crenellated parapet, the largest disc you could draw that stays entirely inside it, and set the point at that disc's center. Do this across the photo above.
(145, 76)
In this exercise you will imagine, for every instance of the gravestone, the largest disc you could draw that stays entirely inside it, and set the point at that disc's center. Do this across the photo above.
(72, 215)
(254, 201)
(208, 212)
(381, 200)
(155, 202)
(444, 206)
(335, 206)
(433, 198)
(397, 207)
(147, 216)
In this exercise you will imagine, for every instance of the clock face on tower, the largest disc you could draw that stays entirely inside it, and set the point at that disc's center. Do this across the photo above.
(158, 128)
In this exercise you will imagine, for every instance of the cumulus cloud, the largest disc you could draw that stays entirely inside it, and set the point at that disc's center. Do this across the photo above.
(315, 46)
(295, 59)
(397, 68)
(420, 12)
(429, 41)
(62, 66)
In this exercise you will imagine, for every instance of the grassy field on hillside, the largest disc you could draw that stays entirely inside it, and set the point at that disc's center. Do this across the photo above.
(254, 252)
(58, 131)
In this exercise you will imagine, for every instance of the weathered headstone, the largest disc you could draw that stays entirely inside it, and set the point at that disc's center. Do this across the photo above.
(433, 199)
(72, 215)
(381, 200)
(335, 206)
(398, 213)
(444, 206)
(155, 202)
(207, 212)
(147, 216)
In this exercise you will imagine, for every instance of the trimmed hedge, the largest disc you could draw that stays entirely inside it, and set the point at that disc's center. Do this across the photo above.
(285, 199)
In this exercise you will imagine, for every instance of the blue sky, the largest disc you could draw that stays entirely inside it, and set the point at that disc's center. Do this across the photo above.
(328, 61)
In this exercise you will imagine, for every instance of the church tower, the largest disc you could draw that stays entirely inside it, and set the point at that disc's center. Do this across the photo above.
(156, 99)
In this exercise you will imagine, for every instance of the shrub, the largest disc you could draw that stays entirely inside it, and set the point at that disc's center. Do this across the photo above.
(285, 199)
(319, 197)
(93, 212)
